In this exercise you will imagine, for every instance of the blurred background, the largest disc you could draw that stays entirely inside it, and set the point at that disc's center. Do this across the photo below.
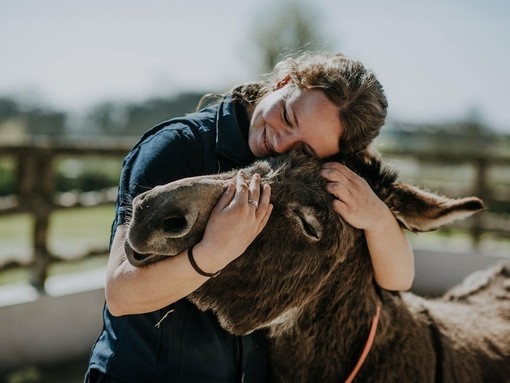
(81, 81)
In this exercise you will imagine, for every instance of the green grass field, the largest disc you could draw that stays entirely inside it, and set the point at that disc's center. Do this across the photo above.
(72, 233)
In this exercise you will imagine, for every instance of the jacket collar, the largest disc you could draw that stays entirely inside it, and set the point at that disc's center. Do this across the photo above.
(232, 126)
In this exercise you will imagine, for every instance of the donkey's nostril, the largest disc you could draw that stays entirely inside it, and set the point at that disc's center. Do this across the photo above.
(174, 224)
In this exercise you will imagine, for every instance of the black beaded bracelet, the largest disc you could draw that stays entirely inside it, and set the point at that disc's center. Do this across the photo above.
(195, 266)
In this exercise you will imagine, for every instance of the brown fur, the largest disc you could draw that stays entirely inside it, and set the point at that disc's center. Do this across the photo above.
(307, 280)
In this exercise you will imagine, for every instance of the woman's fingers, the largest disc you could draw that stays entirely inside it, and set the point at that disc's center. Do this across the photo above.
(335, 169)
(241, 187)
(265, 218)
(264, 200)
(244, 219)
(339, 190)
(226, 197)
(254, 196)
(265, 196)
(234, 193)
(254, 191)
(343, 182)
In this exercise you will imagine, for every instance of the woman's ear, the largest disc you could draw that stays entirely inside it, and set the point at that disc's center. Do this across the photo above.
(282, 82)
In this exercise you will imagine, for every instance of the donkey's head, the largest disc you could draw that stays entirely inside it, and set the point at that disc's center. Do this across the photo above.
(304, 241)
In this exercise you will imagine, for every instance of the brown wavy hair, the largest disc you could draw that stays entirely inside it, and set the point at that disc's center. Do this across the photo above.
(345, 81)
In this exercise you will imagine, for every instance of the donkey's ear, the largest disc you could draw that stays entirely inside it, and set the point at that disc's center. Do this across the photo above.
(419, 210)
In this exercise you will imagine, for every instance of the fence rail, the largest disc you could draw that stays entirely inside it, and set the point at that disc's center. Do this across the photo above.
(496, 220)
(36, 194)
(35, 191)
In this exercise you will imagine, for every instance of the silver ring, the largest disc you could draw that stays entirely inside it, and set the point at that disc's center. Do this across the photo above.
(254, 203)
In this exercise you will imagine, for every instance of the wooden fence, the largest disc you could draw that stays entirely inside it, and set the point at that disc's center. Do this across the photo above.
(490, 182)
(35, 189)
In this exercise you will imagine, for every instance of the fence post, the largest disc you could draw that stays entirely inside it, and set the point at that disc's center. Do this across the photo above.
(482, 191)
(35, 186)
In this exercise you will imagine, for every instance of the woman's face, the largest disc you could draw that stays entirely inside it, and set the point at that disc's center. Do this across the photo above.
(290, 116)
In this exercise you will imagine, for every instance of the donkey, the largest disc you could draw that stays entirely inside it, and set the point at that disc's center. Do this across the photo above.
(308, 282)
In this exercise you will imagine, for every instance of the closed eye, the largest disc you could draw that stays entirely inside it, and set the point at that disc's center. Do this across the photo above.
(285, 115)
(309, 228)
(307, 220)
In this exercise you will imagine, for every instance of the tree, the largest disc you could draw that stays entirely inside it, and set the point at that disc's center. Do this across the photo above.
(288, 27)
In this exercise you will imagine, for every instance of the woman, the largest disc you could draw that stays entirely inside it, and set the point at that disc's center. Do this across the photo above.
(330, 103)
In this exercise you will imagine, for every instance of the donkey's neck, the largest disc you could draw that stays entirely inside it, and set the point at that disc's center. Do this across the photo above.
(332, 329)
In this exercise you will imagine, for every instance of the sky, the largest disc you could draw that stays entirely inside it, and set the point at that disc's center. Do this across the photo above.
(437, 60)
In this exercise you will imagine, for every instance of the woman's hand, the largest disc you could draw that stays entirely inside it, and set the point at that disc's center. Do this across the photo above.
(390, 251)
(355, 201)
(233, 225)
(234, 222)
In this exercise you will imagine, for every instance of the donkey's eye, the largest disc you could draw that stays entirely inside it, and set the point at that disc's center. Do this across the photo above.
(307, 220)
(309, 228)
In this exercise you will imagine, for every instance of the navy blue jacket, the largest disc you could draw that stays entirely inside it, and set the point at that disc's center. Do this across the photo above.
(189, 345)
